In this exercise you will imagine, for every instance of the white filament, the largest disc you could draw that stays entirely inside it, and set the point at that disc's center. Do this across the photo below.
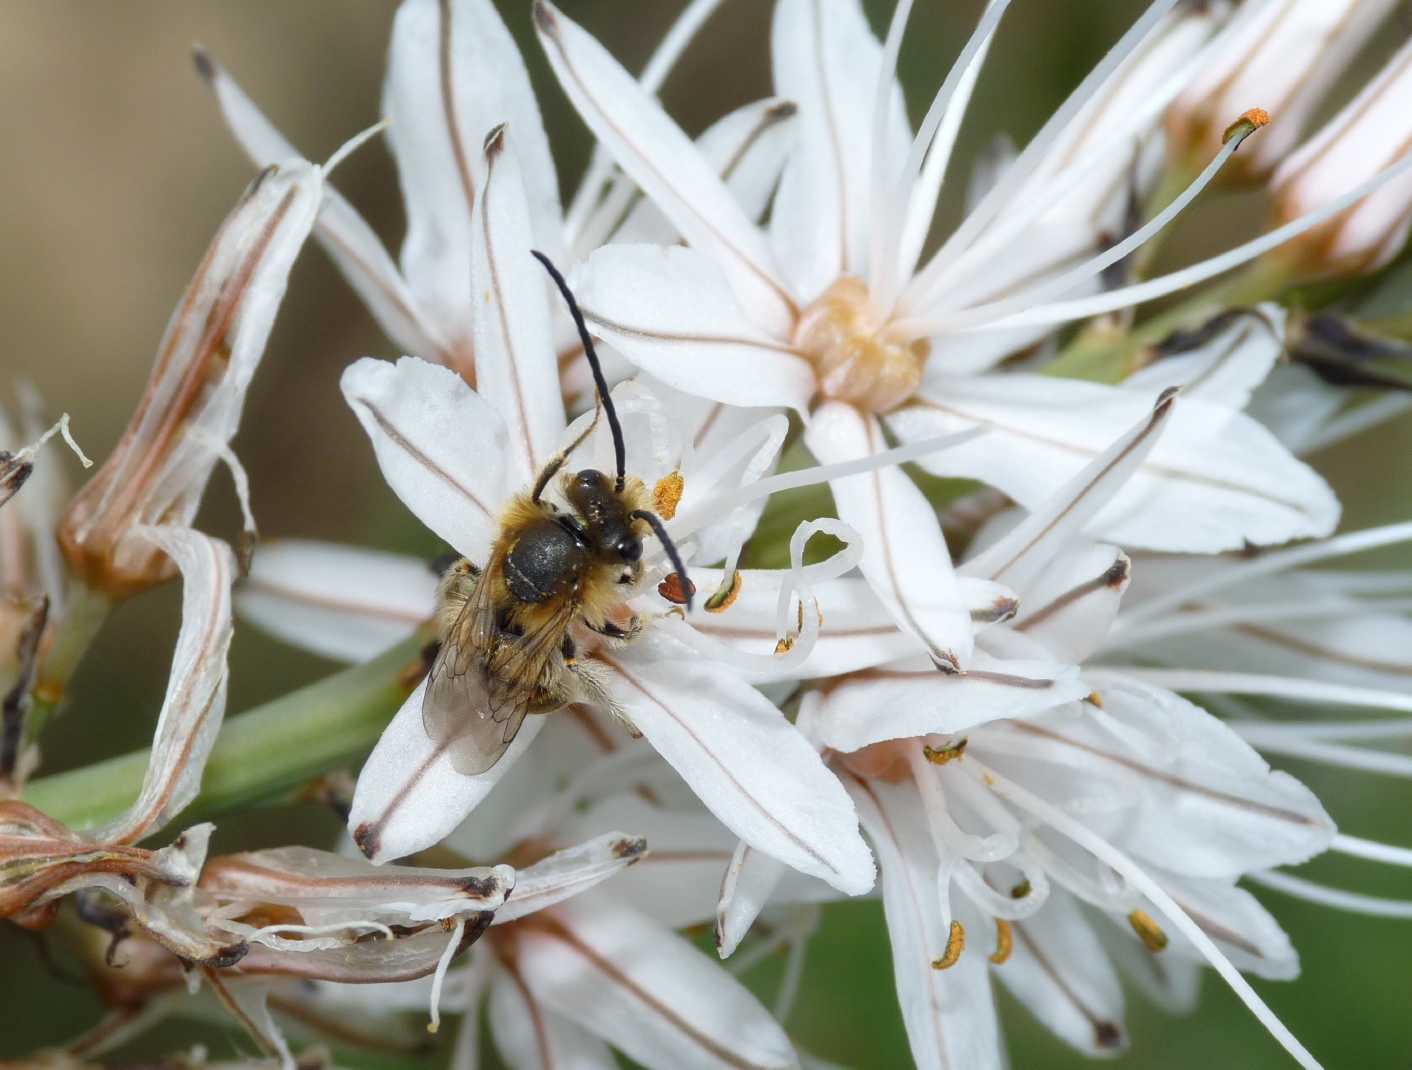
(439, 978)
(353, 144)
(1242, 683)
(1372, 850)
(1266, 564)
(1107, 853)
(1331, 754)
(1352, 902)
(697, 518)
(61, 427)
(1068, 280)
(1033, 155)
(1130, 296)
(1278, 612)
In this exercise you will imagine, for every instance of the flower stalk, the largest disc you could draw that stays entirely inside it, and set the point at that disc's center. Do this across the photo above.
(264, 751)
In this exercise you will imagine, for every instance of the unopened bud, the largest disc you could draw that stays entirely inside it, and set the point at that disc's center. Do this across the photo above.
(1371, 135)
(1283, 55)
(192, 404)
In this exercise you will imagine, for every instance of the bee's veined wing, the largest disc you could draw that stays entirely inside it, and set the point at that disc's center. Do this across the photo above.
(465, 708)
(468, 713)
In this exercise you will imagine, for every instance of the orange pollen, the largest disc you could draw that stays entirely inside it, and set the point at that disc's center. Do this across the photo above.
(854, 358)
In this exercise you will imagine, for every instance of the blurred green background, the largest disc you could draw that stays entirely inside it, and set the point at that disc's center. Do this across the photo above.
(119, 170)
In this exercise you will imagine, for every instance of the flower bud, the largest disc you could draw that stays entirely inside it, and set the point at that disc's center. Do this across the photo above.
(1366, 138)
(1281, 55)
(192, 404)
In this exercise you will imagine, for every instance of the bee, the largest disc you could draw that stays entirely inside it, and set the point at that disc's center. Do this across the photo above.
(511, 629)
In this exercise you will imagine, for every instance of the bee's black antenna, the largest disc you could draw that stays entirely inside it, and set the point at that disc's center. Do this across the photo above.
(655, 523)
(619, 451)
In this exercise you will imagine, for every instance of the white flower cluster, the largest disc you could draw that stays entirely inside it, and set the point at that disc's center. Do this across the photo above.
(992, 741)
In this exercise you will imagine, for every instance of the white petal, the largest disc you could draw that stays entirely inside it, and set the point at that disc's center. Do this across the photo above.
(750, 880)
(216, 338)
(949, 1014)
(1198, 800)
(348, 239)
(647, 992)
(342, 602)
(1246, 931)
(1215, 481)
(1070, 607)
(1024, 552)
(447, 85)
(570, 872)
(529, 1036)
(916, 699)
(857, 630)
(747, 148)
(671, 312)
(826, 60)
(664, 163)
(195, 701)
(1226, 369)
(408, 796)
(1061, 973)
(676, 881)
(904, 552)
(748, 764)
(516, 369)
(440, 447)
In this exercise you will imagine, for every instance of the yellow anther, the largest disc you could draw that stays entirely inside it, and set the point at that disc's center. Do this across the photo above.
(725, 595)
(1094, 699)
(955, 944)
(666, 495)
(1148, 931)
(1004, 942)
(785, 645)
(942, 755)
(1020, 891)
(1249, 122)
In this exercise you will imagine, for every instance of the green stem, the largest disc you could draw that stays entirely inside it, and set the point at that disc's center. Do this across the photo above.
(82, 620)
(259, 753)
(1102, 356)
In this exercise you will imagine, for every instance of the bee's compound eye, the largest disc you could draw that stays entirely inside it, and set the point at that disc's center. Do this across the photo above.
(629, 547)
(589, 478)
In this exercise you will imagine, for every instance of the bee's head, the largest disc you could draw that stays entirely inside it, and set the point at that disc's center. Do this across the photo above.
(604, 515)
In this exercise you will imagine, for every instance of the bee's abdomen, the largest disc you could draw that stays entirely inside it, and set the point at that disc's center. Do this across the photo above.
(545, 561)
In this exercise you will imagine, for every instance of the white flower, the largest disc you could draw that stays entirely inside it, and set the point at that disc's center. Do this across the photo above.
(847, 330)
(1368, 138)
(457, 457)
(1056, 833)
(454, 73)
(1284, 56)
(191, 408)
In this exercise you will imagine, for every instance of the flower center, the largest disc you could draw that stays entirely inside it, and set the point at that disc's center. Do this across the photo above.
(854, 358)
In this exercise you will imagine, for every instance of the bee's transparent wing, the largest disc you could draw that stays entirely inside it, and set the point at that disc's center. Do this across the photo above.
(464, 708)
(459, 713)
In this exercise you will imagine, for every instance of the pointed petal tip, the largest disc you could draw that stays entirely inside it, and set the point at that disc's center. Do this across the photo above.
(631, 848)
(368, 839)
(205, 65)
(546, 17)
(495, 140)
(785, 109)
(1165, 401)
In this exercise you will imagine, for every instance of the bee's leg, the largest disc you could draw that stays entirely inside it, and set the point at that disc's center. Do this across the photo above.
(609, 630)
(593, 689)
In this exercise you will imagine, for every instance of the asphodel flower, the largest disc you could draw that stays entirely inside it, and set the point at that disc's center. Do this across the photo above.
(190, 410)
(454, 72)
(1047, 830)
(835, 312)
